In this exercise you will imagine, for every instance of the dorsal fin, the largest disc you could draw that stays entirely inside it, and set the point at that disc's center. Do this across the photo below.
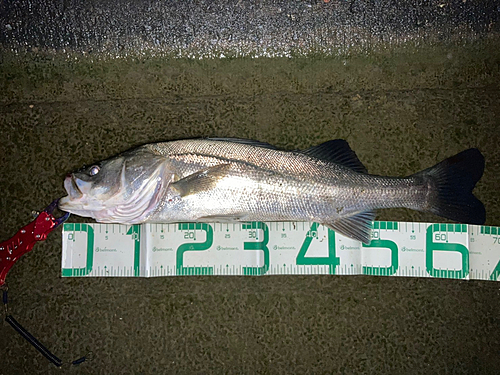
(337, 151)
(244, 141)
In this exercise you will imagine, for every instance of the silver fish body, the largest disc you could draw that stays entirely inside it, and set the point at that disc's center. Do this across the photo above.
(238, 180)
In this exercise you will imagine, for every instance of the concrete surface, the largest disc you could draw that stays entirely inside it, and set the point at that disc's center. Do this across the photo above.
(402, 109)
(214, 28)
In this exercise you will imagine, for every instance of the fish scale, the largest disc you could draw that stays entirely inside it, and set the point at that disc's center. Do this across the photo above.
(310, 179)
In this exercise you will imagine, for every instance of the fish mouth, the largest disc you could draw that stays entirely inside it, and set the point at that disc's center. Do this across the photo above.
(72, 187)
(73, 191)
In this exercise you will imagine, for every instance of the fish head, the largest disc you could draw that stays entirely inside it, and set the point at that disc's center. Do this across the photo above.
(123, 189)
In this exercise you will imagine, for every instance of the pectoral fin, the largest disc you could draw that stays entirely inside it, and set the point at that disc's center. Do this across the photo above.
(200, 181)
(357, 227)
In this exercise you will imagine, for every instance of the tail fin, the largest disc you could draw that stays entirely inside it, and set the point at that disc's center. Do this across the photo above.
(454, 179)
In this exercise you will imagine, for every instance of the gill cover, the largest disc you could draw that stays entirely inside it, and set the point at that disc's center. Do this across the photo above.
(132, 205)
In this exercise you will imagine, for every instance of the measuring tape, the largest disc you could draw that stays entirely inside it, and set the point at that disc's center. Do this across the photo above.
(453, 251)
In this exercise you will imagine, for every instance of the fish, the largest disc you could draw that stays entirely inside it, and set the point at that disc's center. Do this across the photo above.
(240, 180)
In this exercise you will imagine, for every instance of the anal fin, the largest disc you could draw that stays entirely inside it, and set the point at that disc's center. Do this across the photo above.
(357, 227)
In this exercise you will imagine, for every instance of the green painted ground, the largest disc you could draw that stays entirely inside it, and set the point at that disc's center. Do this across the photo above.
(401, 111)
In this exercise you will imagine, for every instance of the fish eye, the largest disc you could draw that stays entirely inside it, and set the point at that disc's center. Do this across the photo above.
(94, 170)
